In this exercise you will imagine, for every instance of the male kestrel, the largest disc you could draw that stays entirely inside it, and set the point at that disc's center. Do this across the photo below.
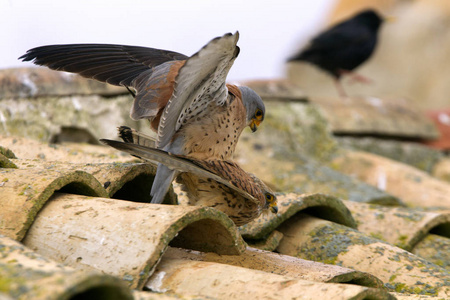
(217, 183)
(194, 112)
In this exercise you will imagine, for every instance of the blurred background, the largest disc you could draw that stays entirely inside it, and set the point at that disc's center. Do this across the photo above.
(269, 30)
(411, 59)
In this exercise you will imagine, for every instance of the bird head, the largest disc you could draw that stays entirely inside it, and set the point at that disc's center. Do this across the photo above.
(370, 18)
(254, 106)
(271, 202)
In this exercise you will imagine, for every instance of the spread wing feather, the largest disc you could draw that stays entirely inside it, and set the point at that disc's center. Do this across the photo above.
(114, 64)
(200, 81)
(144, 69)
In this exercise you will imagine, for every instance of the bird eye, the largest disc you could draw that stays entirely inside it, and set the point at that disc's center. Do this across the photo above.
(258, 113)
(269, 197)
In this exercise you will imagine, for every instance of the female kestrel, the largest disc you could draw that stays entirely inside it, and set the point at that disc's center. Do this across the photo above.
(221, 184)
(194, 112)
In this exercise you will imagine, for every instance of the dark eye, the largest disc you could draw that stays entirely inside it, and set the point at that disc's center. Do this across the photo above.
(269, 197)
(258, 113)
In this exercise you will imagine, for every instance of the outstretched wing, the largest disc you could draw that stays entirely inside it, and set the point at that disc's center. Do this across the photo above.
(114, 64)
(151, 72)
(175, 162)
(200, 81)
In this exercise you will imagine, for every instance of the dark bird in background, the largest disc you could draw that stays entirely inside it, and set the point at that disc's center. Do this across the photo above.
(185, 99)
(343, 47)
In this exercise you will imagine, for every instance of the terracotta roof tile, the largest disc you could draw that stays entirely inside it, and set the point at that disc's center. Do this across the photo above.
(63, 200)
(441, 119)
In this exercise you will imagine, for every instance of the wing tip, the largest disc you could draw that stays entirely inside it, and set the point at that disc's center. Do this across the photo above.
(25, 57)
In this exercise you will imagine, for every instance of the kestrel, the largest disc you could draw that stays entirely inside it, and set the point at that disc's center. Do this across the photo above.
(194, 112)
(221, 184)
(343, 47)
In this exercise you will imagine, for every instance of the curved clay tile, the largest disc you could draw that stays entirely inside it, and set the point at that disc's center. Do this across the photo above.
(269, 243)
(215, 280)
(411, 225)
(434, 248)
(289, 152)
(280, 264)
(7, 152)
(27, 275)
(408, 152)
(126, 181)
(73, 118)
(277, 90)
(323, 206)
(25, 191)
(400, 296)
(26, 148)
(375, 117)
(5, 162)
(125, 238)
(39, 82)
(441, 119)
(416, 188)
(441, 169)
(315, 239)
(146, 295)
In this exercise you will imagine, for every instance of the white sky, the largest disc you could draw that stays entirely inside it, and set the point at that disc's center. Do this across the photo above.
(269, 30)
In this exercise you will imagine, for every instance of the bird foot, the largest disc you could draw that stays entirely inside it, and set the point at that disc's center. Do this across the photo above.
(340, 89)
(355, 77)
(359, 78)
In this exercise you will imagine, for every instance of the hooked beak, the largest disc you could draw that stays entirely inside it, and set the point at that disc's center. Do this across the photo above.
(254, 124)
(274, 209)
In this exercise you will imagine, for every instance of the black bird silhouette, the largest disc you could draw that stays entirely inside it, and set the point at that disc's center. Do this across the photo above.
(344, 46)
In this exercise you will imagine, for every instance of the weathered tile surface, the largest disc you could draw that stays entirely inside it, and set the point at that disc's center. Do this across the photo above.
(24, 274)
(291, 151)
(416, 188)
(123, 238)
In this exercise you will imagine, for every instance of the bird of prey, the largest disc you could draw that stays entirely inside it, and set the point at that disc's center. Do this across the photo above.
(186, 100)
(217, 183)
(343, 47)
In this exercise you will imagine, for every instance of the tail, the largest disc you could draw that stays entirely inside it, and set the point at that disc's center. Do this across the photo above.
(161, 184)
(164, 176)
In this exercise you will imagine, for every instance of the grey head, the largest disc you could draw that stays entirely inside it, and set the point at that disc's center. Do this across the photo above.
(254, 106)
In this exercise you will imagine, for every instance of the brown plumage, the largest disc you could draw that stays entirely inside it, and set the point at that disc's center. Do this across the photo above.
(221, 184)
(215, 132)
(164, 87)
(203, 191)
(184, 98)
